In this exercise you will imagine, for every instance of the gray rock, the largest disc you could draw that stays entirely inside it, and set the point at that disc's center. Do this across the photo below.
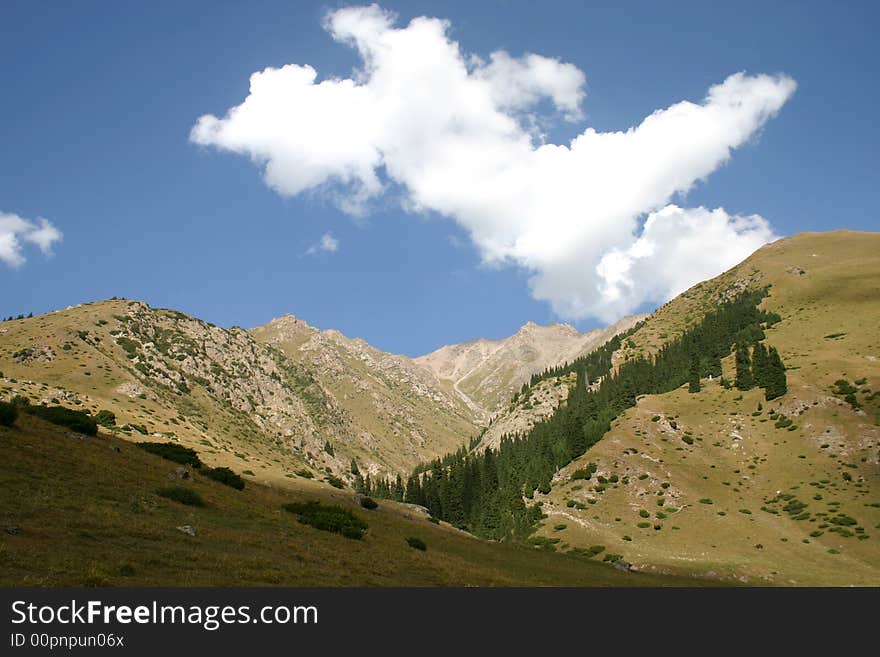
(625, 566)
(187, 529)
(182, 472)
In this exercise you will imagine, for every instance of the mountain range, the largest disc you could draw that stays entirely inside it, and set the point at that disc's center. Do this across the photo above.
(722, 484)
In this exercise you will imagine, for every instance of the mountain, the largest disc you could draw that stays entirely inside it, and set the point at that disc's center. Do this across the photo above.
(280, 399)
(273, 400)
(623, 452)
(723, 483)
(487, 373)
(397, 412)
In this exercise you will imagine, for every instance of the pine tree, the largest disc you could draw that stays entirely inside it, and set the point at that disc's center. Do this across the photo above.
(744, 380)
(777, 385)
(694, 385)
(759, 365)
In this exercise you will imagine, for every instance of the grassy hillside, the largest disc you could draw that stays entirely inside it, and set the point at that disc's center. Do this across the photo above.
(708, 483)
(399, 413)
(245, 404)
(85, 511)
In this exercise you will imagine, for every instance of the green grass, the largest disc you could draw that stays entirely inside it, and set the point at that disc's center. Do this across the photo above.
(97, 499)
(181, 494)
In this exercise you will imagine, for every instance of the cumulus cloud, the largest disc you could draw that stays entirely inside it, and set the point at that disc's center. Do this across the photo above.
(452, 133)
(16, 232)
(327, 244)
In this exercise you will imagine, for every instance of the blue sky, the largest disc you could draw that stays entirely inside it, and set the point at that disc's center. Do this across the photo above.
(100, 99)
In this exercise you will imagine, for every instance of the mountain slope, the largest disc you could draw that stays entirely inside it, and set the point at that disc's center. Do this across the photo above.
(168, 376)
(486, 373)
(719, 483)
(399, 412)
(84, 511)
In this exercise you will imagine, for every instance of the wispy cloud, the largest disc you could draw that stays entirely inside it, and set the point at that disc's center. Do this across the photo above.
(456, 135)
(327, 244)
(16, 232)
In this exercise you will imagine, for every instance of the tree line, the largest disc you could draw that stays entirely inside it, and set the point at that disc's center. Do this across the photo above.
(486, 493)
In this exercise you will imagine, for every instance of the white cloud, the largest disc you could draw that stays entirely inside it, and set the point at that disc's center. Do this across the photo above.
(678, 248)
(16, 231)
(454, 133)
(327, 244)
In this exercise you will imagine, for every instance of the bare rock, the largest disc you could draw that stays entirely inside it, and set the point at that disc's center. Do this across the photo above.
(189, 530)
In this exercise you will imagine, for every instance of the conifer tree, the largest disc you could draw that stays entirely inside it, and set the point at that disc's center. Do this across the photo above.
(744, 380)
(777, 384)
(759, 365)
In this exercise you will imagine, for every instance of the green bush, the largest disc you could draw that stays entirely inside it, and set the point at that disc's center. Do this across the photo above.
(369, 503)
(582, 473)
(182, 494)
(106, 418)
(8, 414)
(336, 482)
(79, 421)
(328, 518)
(173, 452)
(224, 476)
(416, 543)
(706, 500)
(305, 474)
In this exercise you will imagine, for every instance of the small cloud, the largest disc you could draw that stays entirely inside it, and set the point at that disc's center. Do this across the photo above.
(327, 244)
(16, 231)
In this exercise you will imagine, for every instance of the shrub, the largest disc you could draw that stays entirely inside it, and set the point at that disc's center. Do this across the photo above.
(79, 421)
(224, 476)
(416, 543)
(173, 452)
(182, 494)
(8, 414)
(644, 514)
(328, 518)
(544, 543)
(369, 503)
(596, 549)
(336, 482)
(106, 418)
(305, 474)
(706, 500)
